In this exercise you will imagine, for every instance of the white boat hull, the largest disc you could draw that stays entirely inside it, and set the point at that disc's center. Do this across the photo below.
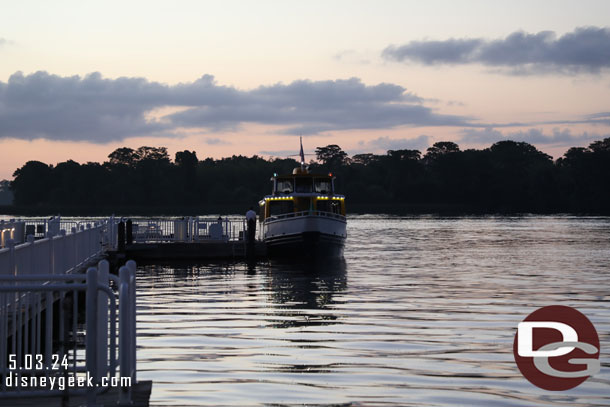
(304, 235)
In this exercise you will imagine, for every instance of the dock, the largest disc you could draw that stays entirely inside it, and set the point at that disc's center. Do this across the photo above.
(184, 239)
(141, 395)
(53, 269)
(207, 250)
(61, 300)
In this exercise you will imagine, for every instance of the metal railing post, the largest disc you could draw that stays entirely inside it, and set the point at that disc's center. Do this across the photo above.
(124, 340)
(48, 340)
(102, 320)
(132, 300)
(91, 352)
(10, 243)
(51, 257)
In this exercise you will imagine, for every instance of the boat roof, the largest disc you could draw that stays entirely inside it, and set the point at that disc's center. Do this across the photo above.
(303, 172)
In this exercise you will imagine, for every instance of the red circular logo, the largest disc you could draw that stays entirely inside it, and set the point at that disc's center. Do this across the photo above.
(556, 348)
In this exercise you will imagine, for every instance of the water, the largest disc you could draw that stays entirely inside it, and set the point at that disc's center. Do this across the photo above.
(422, 312)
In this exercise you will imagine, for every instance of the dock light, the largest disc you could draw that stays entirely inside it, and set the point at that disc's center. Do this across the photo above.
(275, 174)
(330, 174)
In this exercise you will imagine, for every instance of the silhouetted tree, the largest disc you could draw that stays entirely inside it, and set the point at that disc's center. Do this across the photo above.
(6, 195)
(158, 154)
(124, 156)
(331, 156)
(440, 149)
(186, 159)
(32, 183)
(364, 159)
(508, 176)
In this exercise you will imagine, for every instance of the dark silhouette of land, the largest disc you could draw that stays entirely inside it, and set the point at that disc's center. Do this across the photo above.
(507, 177)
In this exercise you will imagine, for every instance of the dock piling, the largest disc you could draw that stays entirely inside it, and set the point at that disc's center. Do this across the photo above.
(121, 236)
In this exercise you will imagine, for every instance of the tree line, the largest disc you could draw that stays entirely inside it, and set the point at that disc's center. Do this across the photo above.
(506, 177)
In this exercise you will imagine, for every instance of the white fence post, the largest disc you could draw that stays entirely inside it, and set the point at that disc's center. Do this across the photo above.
(124, 332)
(11, 257)
(51, 260)
(102, 320)
(91, 351)
(112, 233)
(132, 299)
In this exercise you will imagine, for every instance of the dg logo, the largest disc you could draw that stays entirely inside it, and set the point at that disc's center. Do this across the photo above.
(556, 348)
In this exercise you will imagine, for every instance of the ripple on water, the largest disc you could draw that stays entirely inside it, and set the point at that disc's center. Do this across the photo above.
(421, 312)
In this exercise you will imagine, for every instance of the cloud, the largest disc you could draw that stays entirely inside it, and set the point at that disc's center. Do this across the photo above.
(586, 49)
(452, 51)
(3, 41)
(599, 118)
(420, 143)
(558, 137)
(279, 153)
(73, 108)
(96, 109)
(351, 56)
(212, 141)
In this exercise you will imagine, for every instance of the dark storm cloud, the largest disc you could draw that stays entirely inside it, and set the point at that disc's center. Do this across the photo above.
(586, 49)
(96, 109)
(535, 136)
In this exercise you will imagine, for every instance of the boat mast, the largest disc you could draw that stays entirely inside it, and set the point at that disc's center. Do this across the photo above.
(302, 154)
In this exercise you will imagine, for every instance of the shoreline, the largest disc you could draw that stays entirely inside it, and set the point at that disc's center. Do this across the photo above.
(232, 209)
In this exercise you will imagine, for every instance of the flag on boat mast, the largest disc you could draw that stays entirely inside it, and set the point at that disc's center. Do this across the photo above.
(302, 154)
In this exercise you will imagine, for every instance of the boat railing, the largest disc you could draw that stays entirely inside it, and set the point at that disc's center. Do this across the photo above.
(305, 213)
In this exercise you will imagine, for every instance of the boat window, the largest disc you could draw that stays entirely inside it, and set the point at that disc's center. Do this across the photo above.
(322, 185)
(284, 185)
(303, 184)
(280, 207)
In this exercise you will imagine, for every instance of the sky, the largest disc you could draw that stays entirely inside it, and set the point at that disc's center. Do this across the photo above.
(79, 79)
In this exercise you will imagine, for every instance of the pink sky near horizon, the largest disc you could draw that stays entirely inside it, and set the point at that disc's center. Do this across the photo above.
(53, 152)
(248, 45)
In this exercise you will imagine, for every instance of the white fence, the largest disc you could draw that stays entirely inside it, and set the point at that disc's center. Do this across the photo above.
(186, 229)
(52, 255)
(47, 346)
(42, 227)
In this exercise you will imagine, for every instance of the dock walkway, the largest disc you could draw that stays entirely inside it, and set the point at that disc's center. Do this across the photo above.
(59, 301)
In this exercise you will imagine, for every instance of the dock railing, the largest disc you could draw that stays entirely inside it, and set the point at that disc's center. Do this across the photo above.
(144, 230)
(19, 229)
(188, 229)
(59, 254)
(45, 344)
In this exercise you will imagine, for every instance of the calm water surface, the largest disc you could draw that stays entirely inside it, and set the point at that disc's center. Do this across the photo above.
(422, 312)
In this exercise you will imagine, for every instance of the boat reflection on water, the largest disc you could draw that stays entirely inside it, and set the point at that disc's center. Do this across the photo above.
(307, 285)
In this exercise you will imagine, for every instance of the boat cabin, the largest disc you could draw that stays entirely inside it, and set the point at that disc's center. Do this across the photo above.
(302, 192)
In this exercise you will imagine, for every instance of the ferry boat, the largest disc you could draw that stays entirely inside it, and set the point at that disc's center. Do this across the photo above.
(303, 216)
